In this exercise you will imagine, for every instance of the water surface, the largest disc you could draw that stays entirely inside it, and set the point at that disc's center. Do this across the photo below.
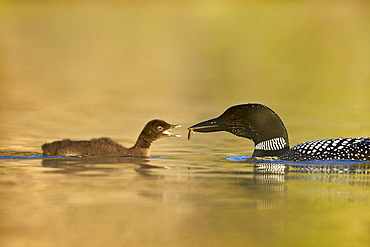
(170, 202)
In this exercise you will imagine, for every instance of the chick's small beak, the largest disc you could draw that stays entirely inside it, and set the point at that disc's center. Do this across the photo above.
(166, 132)
(174, 126)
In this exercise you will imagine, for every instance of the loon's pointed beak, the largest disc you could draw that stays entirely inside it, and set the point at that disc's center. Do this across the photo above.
(211, 125)
(174, 126)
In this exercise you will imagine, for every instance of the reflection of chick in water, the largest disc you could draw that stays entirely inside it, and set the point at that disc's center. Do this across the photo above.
(74, 165)
(105, 147)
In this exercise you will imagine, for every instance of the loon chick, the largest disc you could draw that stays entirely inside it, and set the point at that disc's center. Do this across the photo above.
(105, 147)
(265, 128)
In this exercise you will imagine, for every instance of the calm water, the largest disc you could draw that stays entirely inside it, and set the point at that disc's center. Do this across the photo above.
(81, 70)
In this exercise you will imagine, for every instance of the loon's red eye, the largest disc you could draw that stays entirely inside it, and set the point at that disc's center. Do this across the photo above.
(232, 116)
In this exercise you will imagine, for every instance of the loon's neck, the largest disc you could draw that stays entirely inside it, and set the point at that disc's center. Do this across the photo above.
(273, 147)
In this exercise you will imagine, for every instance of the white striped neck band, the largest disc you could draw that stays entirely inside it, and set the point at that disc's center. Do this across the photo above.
(273, 144)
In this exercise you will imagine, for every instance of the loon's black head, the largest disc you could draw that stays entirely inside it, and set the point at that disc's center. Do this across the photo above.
(253, 121)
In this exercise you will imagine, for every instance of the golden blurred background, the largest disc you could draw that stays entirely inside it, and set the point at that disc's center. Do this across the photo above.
(83, 69)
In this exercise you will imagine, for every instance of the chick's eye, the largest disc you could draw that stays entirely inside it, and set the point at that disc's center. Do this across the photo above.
(160, 128)
(232, 116)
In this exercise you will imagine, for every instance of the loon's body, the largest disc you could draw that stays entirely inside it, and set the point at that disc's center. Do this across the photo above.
(106, 147)
(265, 128)
(340, 148)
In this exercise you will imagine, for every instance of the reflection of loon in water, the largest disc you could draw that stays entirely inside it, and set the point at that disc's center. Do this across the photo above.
(276, 166)
(264, 127)
(323, 168)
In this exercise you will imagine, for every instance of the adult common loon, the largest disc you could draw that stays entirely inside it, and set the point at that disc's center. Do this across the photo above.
(265, 128)
(105, 147)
